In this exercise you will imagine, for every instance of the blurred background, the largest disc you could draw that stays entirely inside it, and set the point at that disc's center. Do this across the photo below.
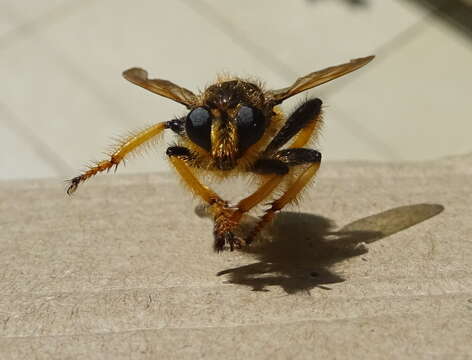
(62, 97)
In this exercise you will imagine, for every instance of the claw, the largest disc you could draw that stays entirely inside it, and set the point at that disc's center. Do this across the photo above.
(239, 243)
(220, 241)
(74, 183)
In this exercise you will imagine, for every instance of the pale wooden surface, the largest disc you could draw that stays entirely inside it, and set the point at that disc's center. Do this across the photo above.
(125, 270)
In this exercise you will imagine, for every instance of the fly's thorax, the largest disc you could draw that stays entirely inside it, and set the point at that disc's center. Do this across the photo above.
(229, 94)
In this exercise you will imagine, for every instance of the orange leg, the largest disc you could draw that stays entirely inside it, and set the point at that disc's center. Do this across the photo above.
(225, 218)
(255, 198)
(307, 132)
(218, 207)
(226, 224)
(127, 146)
(205, 193)
(290, 195)
(303, 136)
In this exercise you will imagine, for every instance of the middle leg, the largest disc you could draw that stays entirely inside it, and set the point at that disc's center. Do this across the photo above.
(302, 124)
(290, 157)
(225, 217)
(180, 157)
(224, 224)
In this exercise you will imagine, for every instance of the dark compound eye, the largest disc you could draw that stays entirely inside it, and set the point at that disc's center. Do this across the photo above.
(251, 126)
(198, 127)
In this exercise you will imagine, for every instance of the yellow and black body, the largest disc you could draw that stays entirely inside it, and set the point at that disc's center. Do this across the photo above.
(235, 126)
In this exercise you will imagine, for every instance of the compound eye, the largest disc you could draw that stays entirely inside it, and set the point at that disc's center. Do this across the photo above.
(198, 127)
(251, 126)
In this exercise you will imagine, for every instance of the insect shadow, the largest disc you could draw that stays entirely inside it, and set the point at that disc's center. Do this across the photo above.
(298, 251)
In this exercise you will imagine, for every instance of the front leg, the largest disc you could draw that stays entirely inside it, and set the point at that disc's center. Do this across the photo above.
(126, 146)
(227, 219)
(180, 157)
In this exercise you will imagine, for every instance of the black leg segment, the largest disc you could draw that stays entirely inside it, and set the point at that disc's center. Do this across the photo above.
(179, 151)
(270, 166)
(297, 156)
(302, 116)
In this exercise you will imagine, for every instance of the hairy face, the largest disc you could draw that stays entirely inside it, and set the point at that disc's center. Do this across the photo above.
(231, 119)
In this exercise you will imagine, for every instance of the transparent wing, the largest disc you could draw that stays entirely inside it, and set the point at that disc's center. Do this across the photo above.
(317, 78)
(161, 87)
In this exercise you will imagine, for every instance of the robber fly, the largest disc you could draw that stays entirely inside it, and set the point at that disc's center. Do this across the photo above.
(235, 126)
